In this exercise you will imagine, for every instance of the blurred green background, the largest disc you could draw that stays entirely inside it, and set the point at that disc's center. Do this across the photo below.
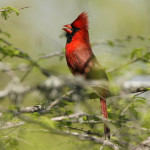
(37, 31)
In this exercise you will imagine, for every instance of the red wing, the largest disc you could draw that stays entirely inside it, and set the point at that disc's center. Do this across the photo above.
(84, 62)
(78, 60)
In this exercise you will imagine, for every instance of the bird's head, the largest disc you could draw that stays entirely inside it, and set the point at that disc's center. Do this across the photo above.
(80, 24)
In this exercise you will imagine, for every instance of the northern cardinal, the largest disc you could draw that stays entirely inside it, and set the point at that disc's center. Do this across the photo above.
(81, 60)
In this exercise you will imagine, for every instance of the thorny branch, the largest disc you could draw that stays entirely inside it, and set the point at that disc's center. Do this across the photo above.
(51, 55)
(74, 118)
(80, 136)
(19, 89)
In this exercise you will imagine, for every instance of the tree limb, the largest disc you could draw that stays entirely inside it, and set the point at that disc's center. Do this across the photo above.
(145, 145)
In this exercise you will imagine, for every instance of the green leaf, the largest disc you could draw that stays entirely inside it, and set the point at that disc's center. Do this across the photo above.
(5, 11)
(85, 118)
(9, 50)
(16, 52)
(138, 53)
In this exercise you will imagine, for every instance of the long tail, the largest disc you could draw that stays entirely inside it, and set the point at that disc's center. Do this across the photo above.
(105, 114)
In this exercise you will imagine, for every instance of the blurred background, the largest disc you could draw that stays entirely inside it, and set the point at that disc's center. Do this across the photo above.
(38, 31)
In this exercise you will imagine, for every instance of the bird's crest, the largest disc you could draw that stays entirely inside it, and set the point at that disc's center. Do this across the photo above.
(81, 21)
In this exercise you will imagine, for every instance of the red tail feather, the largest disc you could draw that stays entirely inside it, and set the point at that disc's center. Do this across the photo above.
(105, 114)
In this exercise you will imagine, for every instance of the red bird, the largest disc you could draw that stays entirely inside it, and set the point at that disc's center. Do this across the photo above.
(81, 60)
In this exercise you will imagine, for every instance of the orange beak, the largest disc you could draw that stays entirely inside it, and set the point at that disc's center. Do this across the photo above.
(68, 28)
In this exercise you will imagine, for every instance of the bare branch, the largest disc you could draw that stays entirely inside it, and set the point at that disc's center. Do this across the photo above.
(121, 67)
(89, 132)
(134, 99)
(59, 53)
(32, 109)
(86, 137)
(8, 125)
(23, 140)
(60, 118)
(57, 101)
(24, 7)
(103, 145)
(145, 145)
(26, 74)
(20, 139)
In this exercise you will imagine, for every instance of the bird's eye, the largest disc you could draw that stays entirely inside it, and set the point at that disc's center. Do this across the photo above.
(75, 29)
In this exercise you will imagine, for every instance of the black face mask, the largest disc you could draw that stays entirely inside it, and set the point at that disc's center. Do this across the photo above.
(70, 35)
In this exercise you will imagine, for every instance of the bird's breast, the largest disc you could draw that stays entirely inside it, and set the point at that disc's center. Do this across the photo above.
(78, 60)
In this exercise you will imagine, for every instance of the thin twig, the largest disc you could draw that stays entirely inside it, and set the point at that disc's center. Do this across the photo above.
(8, 125)
(56, 102)
(85, 131)
(122, 67)
(94, 139)
(60, 118)
(24, 7)
(26, 74)
(103, 145)
(29, 59)
(22, 140)
(134, 99)
(59, 53)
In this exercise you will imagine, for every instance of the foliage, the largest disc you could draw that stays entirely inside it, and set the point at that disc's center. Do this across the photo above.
(6, 11)
(65, 106)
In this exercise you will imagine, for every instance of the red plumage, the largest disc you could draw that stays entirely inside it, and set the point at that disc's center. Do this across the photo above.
(81, 21)
(81, 60)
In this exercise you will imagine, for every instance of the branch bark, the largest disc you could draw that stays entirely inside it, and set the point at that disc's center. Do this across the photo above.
(145, 145)
(32, 109)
